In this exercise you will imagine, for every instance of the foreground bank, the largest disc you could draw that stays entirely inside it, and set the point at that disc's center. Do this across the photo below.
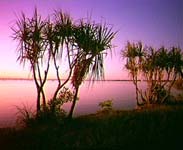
(159, 127)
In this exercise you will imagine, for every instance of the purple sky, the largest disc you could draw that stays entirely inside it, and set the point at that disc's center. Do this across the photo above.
(154, 22)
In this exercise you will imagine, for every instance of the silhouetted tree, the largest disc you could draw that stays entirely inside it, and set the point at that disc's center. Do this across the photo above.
(32, 48)
(134, 54)
(44, 42)
(60, 41)
(41, 44)
(60, 37)
(92, 40)
(159, 68)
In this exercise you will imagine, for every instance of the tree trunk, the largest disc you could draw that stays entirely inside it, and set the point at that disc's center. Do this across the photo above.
(38, 101)
(136, 90)
(137, 97)
(44, 99)
(73, 104)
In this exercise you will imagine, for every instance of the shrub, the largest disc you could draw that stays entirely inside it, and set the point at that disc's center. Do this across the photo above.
(51, 114)
(25, 115)
(106, 106)
(179, 84)
(54, 111)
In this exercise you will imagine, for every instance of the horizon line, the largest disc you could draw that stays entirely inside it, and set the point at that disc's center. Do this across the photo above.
(22, 78)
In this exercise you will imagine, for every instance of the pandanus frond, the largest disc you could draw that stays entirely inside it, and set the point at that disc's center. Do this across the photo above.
(92, 40)
(63, 27)
(29, 33)
(97, 67)
(84, 34)
(175, 56)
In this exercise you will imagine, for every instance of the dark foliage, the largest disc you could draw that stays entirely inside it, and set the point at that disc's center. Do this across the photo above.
(160, 127)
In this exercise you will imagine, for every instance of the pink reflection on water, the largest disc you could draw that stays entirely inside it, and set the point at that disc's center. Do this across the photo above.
(14, 93)
(22, 92)
(121, 93)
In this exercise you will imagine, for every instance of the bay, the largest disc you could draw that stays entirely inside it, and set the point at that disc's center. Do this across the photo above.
(15, 93)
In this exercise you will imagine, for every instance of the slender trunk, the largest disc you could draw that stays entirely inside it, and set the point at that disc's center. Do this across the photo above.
(73, 104)
(135, 80)
(44, 99)
(41, 84)
(38, 108)
(137, 96)
(58, 77)
(61, 85)
(169, 89)
(151, 89)
(44, 81)
(38, 100)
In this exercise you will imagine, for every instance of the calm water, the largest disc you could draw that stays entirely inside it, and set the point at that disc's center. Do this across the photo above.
(22, 92)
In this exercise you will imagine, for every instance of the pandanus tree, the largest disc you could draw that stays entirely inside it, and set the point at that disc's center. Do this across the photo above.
(159, 68)
(134, 54)
(60, 41)
(41, 44)
(154, 71)
(32, 49)
(175, 66)
(60, 35)
(92, 41)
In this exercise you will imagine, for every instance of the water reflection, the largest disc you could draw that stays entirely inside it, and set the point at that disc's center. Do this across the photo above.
(19, 92)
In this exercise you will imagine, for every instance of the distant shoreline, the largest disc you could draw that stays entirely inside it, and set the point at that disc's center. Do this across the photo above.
(50, 79)
(29, 79)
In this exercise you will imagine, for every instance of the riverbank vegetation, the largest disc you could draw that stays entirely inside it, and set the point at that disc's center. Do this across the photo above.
(74, 49)
(155, 127)
(80, 46)
(160, 68)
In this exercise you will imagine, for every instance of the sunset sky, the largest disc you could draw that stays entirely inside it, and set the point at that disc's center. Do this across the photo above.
(154, 22)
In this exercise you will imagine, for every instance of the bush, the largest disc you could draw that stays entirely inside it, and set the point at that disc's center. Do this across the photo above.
(25, 115)
(106, 106)
(53, 113)
(179, 84)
